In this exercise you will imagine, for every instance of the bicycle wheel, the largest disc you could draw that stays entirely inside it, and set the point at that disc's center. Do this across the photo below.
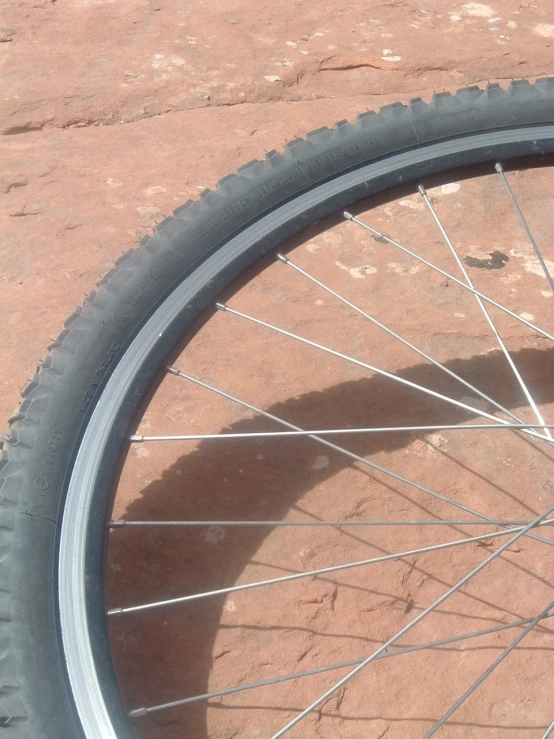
(69, 443)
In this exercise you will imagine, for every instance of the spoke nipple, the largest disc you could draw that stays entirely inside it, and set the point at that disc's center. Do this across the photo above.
(138, 712)
(282, 258)
(114, 612)
(136, 437)
(499, 168)
(348, 216)
(116, 524)
(173, 370)
(221, 306)
(422, 191)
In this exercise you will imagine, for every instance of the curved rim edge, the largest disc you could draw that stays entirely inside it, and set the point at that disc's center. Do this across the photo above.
(89, 695)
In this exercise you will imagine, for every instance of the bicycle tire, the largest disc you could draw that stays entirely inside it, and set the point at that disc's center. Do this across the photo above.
(206, 244)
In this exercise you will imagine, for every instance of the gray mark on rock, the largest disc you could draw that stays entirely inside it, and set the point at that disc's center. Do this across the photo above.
(495, 260)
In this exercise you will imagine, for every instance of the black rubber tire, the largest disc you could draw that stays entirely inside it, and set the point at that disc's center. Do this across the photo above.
(45, 432)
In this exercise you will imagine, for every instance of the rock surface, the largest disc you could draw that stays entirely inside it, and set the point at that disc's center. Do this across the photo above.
(113, 114)
(201, 72)
(87, 62)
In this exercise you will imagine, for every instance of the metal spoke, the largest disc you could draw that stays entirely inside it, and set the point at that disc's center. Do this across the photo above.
(359, 363)
(480, 303)
(512, 529)
(138, 438)
(500, 169)
(503, 308)
(286, 260)
(323, 570)
(341, 450)
(138, 712)
(488, 671)
(120, 523)
(412, 623)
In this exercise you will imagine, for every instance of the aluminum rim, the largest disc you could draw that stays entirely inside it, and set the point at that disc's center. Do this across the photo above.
(89, 696)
